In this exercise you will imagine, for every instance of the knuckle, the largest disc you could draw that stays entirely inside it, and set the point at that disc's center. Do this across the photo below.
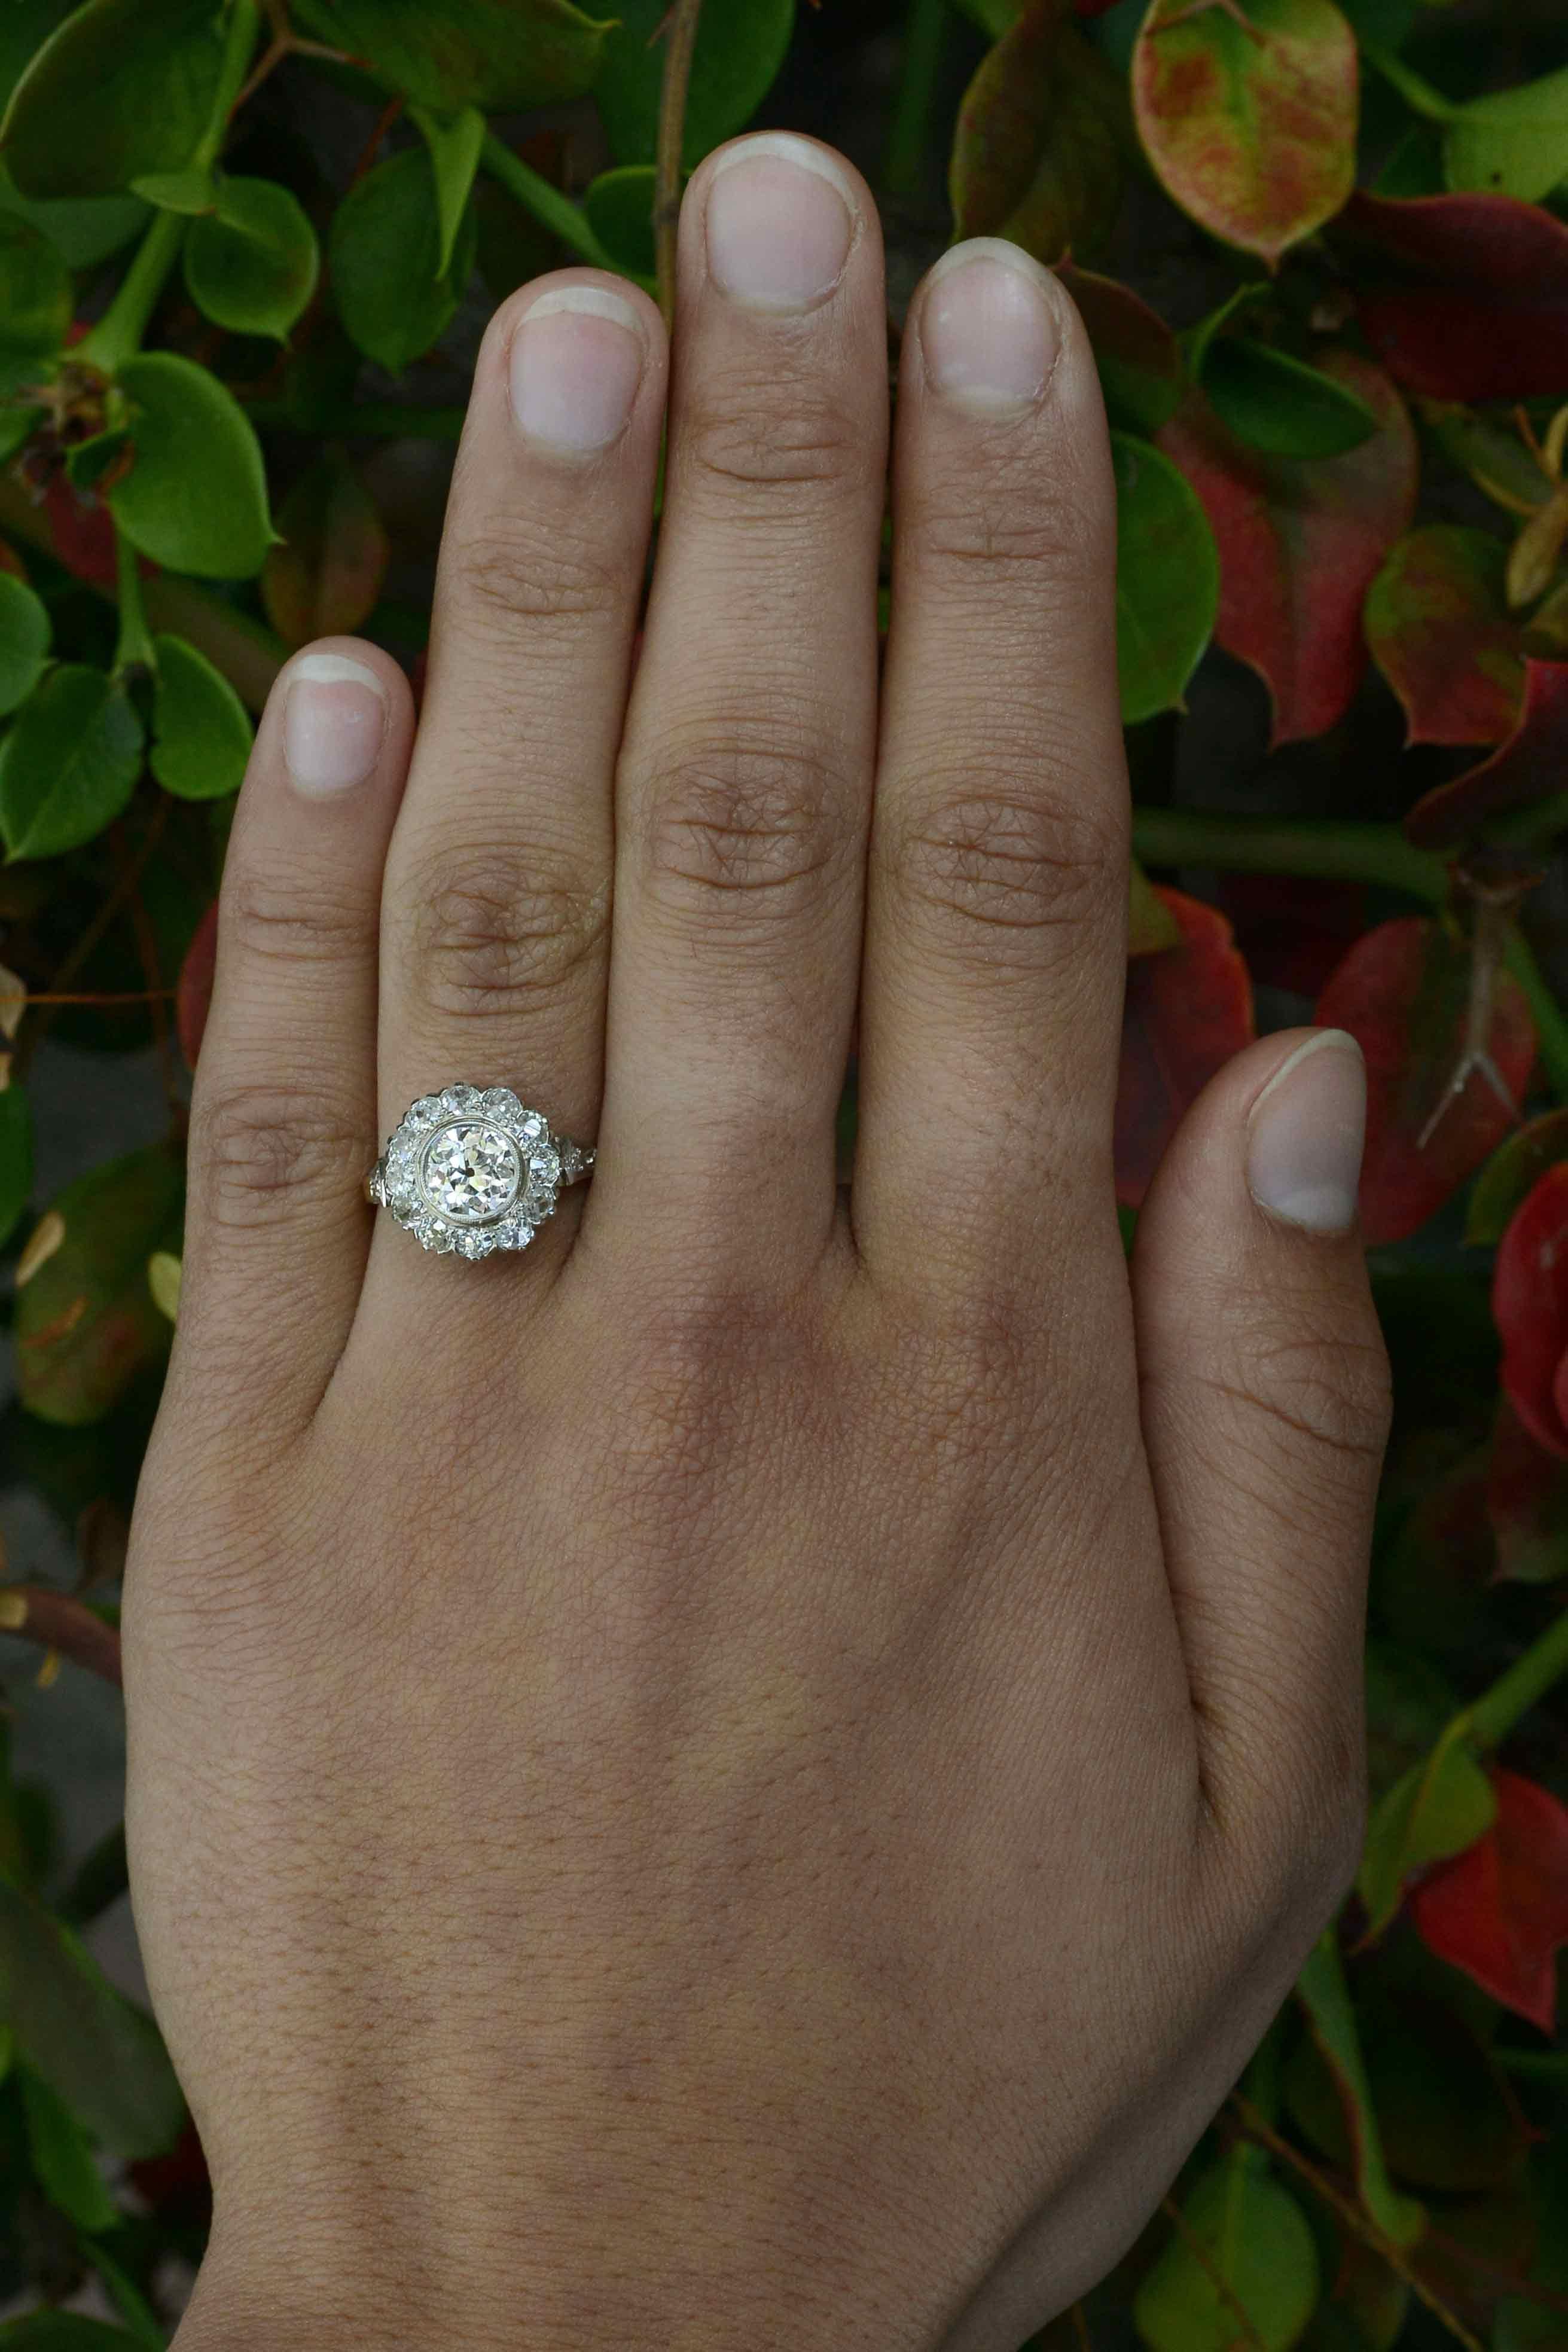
(1010, 868)
(517, 568)
(492, 924)
(1006, 527)
(292, 917)
(255, 1150)
(754, 823)
(748, 441)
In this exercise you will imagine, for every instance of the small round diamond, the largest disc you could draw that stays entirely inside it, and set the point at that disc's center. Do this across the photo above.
(471, 1171)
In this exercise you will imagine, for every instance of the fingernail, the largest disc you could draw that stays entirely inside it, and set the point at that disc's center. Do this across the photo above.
(576, 362)
(781, 221)
(334, 722)
(987, 326)
(1308, 1126)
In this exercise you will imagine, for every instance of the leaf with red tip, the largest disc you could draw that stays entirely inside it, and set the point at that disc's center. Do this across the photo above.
(1439, 629)
(323, 577)
(1531, 766)
(1187, 1011)
(193, 993)
(1300, 541)
(1463, 297)
(1500, 1911)
(1530, 1306)
(1403, 994)
(1526, 1503)
(1248, 112)
(1137, 353)
(1041, 146)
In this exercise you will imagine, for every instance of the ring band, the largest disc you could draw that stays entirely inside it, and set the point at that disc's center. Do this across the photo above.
(473, 1170)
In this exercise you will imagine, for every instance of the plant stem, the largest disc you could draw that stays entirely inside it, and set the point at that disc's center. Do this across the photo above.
(119, 332)
(134, 650)
(1494, 1715)
(1417, 94)
(1551, 1027)
(534, 193)
(925, 36)
(1319, 847)
(64, 1623)
(680, 42)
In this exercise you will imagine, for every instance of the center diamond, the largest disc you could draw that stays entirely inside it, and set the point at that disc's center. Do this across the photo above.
(472, 1173)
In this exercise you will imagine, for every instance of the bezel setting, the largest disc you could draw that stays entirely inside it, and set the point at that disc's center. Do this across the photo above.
(402, 1183)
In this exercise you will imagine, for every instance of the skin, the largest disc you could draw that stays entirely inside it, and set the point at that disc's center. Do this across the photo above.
(752, 1774)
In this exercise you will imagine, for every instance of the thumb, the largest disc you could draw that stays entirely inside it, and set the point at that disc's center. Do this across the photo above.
(1265, 1408)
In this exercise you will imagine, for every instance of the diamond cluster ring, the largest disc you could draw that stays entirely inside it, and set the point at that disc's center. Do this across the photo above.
(473, 1170)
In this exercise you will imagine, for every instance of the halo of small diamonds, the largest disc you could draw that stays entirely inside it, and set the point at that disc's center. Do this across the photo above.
(473, 1170)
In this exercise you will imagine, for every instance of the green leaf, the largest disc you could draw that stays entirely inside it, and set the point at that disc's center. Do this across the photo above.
(1138, 357)
(1440, 1807)
(454, 142)
(86, 1324)
(1167, 579)
(196, 496)
(499, 54)
(96, 2049)
(1513, 141)
(24, 27)
(1449, 2122)
(69, 764)
(123, 88)
(1324, 1995)
(740, 44)
(34, 291)
(127, 2298)
(201, 734)
(1279, 403)
(194, 190)
(619, 206)
(83, 230)
(1044, 133)
(393, 295)
(252, 265)
(324, 577)
(1257, 2239)
(16, 1157)
(24, 640)
(1512, 1172)
(62, 2157)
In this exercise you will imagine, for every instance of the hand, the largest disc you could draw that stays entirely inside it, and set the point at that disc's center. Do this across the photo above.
(748, 1774)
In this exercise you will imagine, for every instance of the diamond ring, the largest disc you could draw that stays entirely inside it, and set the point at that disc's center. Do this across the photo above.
(473, 1170)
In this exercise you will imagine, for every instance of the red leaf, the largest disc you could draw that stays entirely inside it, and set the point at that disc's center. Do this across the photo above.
(1188, 1010)
(11, 561)
(1138, 356)
(1464, 297)
(192, 992)
(324, 575)
(1249, 119)
(83, 532)
(1527, 1503)
(1300, 543)
(1439, 627)
(1500, 1910)
(1403, 994)
(1531, 766)
(1291, 929)
(1529, 1306)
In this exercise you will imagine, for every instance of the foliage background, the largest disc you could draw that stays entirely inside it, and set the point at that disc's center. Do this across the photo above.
(246, 254)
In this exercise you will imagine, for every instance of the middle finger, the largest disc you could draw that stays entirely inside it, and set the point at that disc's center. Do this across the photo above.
(745, 776)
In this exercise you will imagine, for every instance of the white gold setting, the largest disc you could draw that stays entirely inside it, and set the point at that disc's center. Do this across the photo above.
(473, 1170)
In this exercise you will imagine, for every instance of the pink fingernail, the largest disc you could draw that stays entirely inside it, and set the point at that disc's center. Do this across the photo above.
(1307, 1128)
(334, 723)
(781, 221)
(986, 327)
(576, 362)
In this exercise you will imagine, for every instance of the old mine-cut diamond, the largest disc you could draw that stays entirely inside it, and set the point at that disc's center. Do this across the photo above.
(472, 1171)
